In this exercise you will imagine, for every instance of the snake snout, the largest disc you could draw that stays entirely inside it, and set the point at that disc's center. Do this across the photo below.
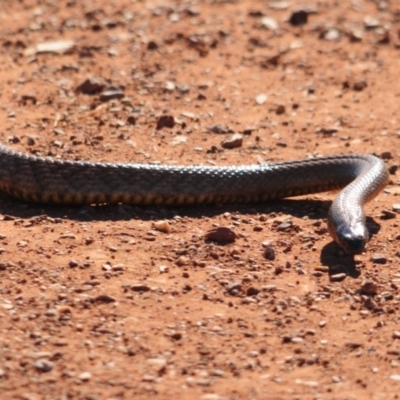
(353, 239)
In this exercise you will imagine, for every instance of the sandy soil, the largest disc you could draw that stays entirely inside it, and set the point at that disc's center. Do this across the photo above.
(110, 302)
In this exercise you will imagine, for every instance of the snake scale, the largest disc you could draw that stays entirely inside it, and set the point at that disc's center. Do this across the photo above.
(47, 180)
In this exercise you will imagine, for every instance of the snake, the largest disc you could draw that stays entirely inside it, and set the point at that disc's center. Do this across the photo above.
(49, 180)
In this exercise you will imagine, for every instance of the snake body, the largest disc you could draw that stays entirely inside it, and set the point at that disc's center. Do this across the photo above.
(47, 180)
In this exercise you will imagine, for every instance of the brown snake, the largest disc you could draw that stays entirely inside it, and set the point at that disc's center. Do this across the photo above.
(47, 180)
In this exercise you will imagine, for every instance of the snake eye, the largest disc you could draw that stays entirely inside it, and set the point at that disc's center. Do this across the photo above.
(353, 239)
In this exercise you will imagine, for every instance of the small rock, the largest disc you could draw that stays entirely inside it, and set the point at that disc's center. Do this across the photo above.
(269, 23)
(338, 277)
(169, 86)
(353, 345)
(269, 253)
(163, 269)
(140, 287)
(370, 288)
(236, 140)
(280, 109)
(284, 226)
(131, 121)
(233, 288)
(73, 263)
(269, 288)
(386, 155)
(104, 298)
(370, 304)
(176, 335)
(218, 128)
(278, 270)
(148, 378)
(388, 214)
(85, 376)
(183, 89)
(111, 93)
(43, 365)
(331, 34)
(360, 85)
(93, 85)
(181, 261)
(356, 35)
(221, 235)
(162, 226)
(252, 291)
(371, 22)
(28, 98)
(396, 335)
(57, 46)
(299, 17)
(261, 99)
(165, 121)
(379, 259)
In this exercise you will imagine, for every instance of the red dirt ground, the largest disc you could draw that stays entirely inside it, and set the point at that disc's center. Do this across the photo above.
(99, 302)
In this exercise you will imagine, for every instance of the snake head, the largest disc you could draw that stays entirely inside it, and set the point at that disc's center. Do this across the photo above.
(352, 239)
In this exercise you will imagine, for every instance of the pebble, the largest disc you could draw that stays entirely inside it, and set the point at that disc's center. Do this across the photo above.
(93, 85)
(111, 93)
(165, 121)
(269, 23)
(299, 17)
(221, 235)
(181, 261)
(396, 335)
(234, 288)
(297, 340)
(211, 396)
(105, 298)
(360, 85)
(338, 277)
(388, 214)
(159, 363)
(140, 287)
(369, 288)
(252, 291)
(284, 226)
(163, 269)
(169, 86)
(261, 99)
(85, 376)
(43, 365)
(162, 226)
(268, 288)
(269, 253)
(218, 128)
(236, 140)
(379, 259)
(73, 263)
(331, 34)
